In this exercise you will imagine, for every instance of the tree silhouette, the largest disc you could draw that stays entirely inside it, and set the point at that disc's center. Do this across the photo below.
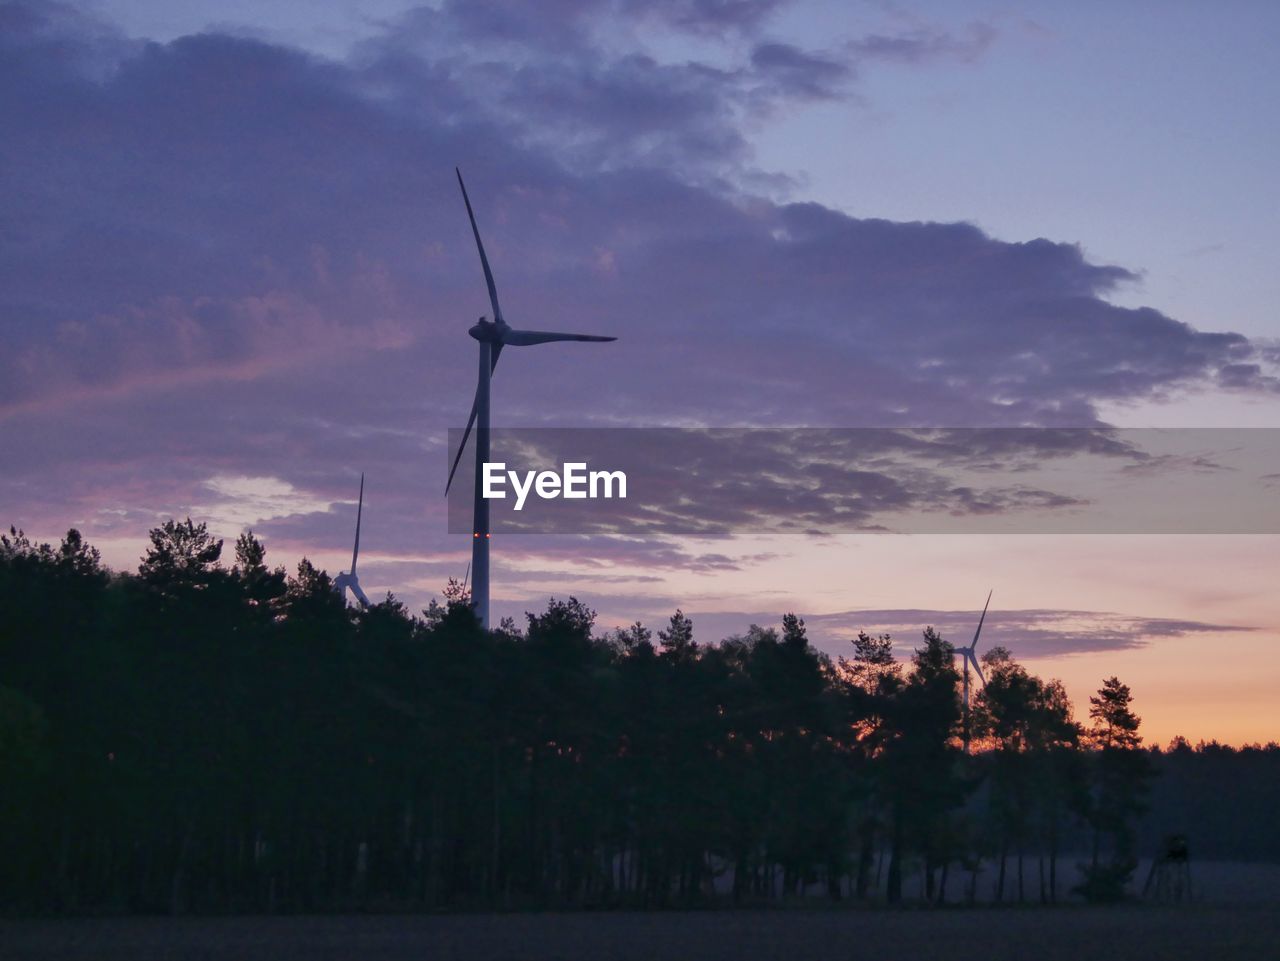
(262, 587)
(180, 552)
(793, 632)
(677, 640)
(921, 762)
(1114, 723)
(1027, 724)
(193, 737)
(869, 683)
(1120, 782)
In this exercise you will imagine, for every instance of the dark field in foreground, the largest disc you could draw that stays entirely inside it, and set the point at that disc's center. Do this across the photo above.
(1146, 932)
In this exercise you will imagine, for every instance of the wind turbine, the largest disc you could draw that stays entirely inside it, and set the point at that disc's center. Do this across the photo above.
(970, 656)
(492, 336)
(348, 579)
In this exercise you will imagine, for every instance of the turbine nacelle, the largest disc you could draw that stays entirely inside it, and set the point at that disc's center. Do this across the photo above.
(489, 330)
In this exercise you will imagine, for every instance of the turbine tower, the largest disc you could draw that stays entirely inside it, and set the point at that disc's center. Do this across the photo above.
(970, 656)
(492, 337)
(348, 579)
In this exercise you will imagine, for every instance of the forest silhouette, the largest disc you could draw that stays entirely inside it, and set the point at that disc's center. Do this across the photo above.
(223, 737)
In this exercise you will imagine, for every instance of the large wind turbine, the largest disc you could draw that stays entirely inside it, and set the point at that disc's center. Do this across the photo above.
(970, 656)
(348, 579)
(492, 337)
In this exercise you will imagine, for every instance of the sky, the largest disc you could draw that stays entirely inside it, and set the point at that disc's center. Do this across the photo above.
(237, 273)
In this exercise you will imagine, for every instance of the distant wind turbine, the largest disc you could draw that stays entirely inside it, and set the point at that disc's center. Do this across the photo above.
(492, 337)
(970, 655)
(348, 579)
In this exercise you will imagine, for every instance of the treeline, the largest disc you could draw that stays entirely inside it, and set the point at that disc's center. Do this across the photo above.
(1224, 798)
(201, 736)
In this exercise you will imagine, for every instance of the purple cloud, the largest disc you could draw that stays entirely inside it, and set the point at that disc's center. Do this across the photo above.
(708, 15)
(224, 258)
(1030, 634)
(798, 73)
(926, 42)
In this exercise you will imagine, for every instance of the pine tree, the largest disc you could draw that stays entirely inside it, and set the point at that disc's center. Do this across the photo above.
(793, 632)
(1121, 778)
(677, 640)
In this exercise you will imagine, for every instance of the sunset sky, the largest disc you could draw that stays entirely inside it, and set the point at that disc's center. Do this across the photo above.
(237, 273)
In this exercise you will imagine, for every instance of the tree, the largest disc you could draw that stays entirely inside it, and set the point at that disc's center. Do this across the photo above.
(562, 620)
(677, 640)
(181, 552)
(1114, 723)
(310, 594)
(77, 557)
(250, 555)
(632, 640)
(921, 761)
(428, 763)
(457, 613)
(1027, 722)
(870, 681)
(23, 757)
(457, 594)
(873, 666)
(1121, 775)
(793, 632)
(261, 585)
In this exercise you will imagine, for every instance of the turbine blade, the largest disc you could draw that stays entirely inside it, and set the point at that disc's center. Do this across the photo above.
(974, 645)
(527, 338)
(355, 553)
(978, 670)
(467, 576)
(494, 351)
(484, 261)
(355, 589)
(471, 422)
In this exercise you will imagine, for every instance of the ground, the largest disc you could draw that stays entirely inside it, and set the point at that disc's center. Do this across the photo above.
(1201, 932)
